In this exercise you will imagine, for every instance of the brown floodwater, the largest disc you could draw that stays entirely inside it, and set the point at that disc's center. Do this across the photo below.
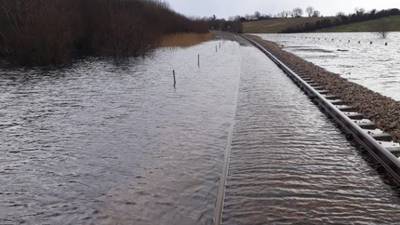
(102, 142)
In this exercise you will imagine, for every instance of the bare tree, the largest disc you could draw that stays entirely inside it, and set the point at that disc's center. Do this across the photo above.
(310, 11)
(382, 29)
(297, 12)
(340, 14)
(316, 13)
(383, 34)
(360, 11)
(284, 14)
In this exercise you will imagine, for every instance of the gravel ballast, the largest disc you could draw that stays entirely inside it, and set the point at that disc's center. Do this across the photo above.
(382, 110)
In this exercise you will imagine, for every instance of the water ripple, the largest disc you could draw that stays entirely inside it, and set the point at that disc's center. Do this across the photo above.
(372, 65)
(106, 142)
(290, 165)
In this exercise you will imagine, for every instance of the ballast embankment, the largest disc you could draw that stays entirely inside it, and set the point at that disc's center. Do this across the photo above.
(382, 110)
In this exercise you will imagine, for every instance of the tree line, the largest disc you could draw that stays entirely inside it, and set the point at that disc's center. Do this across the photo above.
(359, 15)
(42, 32)
(294, 13)
(231, 25)
(299, 12)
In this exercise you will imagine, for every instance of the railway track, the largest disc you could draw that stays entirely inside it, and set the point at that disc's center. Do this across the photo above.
(361, 130)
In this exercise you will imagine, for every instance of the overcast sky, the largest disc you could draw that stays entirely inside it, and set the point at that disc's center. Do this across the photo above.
(226, 8)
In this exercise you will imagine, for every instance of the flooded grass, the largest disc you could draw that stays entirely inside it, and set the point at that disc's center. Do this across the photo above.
(56, 32)
(185, 39)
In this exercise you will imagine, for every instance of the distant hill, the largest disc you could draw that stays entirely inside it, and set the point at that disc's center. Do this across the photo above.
(390, 23)
(276, 25)
(360, 21)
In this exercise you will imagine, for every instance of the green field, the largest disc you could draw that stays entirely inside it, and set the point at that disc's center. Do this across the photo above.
(391, 23)
(276, 25)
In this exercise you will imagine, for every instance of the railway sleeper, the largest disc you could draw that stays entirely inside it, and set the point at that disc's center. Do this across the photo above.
(365, 124)
(379, 135)
(345, 108)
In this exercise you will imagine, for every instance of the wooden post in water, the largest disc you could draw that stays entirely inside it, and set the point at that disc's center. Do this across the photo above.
(173, 73)
(198, 60)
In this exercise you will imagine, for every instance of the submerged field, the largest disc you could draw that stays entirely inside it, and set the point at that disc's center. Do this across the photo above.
(360, 57)
(184, 39)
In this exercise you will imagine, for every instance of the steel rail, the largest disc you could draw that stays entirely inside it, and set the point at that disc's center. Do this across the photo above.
(381, 154)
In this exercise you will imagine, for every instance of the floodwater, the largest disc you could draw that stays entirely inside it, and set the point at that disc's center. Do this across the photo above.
(101, 143)
(290, 165)
(375, 66)
(106, 143)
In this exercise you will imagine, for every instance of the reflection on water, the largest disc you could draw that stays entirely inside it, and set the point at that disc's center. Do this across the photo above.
(290, 165)
(351, 55)
(101, 143)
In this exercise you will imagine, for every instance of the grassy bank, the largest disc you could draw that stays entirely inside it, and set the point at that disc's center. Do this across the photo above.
(184, 39)
(391, 23)
(276, 25)
(42, 32)
(360, 21)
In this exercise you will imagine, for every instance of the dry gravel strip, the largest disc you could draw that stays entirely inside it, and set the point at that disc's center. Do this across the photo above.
(384, 111)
